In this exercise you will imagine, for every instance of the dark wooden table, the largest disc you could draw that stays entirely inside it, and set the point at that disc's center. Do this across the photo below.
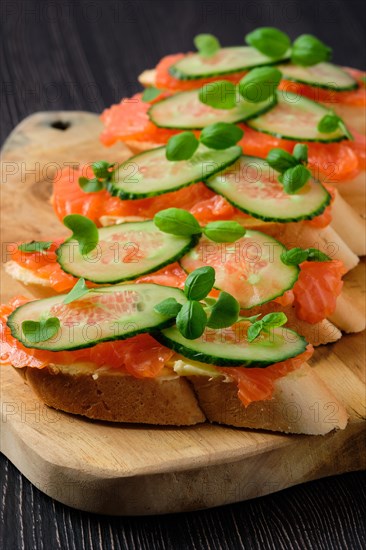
(87, 55)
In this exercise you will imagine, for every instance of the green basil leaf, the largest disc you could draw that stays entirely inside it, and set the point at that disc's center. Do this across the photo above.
(300, 152)
(199, 283)
(224, 232)
(315, 255)
(191, 320)
(281, 160)
(169, 307)
(78, 290)
(254, 331)
(34, 246)
(295, 178)
(269, 41)
(273, 320)
(84, 231)
(308, 50)
(221, 135)
(41, 331)
(150, 94)
(177, 222)
(206, 44)
(225, 312)
(90, 186)
(101, 169)
(219, 95)
(294, 256)
(259, 84)
(181, 147)
(329, 123)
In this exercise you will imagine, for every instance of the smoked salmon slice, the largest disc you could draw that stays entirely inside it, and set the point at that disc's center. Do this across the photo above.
(317, 288)
(258, 384)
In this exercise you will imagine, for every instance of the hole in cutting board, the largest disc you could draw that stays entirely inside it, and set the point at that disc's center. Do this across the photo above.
(60, 125)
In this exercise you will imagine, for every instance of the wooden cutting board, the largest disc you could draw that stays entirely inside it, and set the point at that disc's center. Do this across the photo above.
(137, 470)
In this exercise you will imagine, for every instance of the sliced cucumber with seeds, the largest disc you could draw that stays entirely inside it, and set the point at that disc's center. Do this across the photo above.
(150, 173)
(295, 118)
(225, 61)
(229, 347)
(110, 313)
(124, 252)
(251, 185)
(322, 75)
(250, 269)
(185, 111)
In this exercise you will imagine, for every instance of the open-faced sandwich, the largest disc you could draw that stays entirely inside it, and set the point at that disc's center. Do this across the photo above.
(160, 355)
(201, 271)
(257, 269)
(214, 182)
(305, 66)
(274, 203)
(279, 93)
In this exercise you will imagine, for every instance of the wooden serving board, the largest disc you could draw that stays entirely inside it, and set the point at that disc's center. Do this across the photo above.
(137, 470)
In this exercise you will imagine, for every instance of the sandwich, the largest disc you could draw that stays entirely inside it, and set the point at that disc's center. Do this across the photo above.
(257, 269)
(328, 103)
(201, 271)
(154, 354)
(136, 190)
(341, 89)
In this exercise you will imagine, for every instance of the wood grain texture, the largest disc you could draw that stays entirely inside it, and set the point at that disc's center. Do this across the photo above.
(121, 469)
(105, 53)
(325, 514)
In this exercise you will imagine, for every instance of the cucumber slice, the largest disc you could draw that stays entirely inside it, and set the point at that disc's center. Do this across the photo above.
(184, 111)
(150, 173)
(225, 61)
(322, 75)
(250, 269)
(296, 118)
(124, 252)
(110, 313)
(251, 185)
(230, 348)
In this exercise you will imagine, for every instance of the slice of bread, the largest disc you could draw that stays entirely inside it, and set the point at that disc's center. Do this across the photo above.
(297, 400)
(39, 287)
(300, 234)
(110, 394)
(148, 78)
(170, 400)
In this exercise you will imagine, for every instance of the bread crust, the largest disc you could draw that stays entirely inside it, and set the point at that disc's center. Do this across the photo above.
(109, 394)
(301, 404)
